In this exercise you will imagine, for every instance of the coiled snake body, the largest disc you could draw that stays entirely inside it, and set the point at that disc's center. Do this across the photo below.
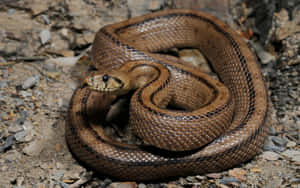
(221, 126)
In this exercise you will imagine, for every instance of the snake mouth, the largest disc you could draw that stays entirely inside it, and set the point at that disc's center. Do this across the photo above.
(108, 90)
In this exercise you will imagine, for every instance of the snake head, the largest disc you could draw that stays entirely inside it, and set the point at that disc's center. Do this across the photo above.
(112, 82)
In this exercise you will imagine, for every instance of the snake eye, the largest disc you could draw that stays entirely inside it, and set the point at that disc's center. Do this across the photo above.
(105, 78)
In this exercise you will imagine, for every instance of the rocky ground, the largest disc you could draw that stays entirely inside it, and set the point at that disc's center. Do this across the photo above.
(44, 48)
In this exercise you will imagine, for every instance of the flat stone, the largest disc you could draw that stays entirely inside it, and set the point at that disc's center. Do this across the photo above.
(46, 19)
(238, 173)
(63, 61)
(294, 155)
(123, 185)
(295, 180)
(8, 143)
(58, 175)
(138, 8)
(14, 128)
(279, 141)
(141, 185)
(270, 156)
(76, 8)
(291, 144)
(106, 182)
(191, 178)
(30, 82)
(38, 7)
(201, 177)
(20, 136)
(20, 121)
(3, 84)
(49, 66)
(266, 57)
(25, 94)
(11, 11)
(19, 102)
(11, 47)
(270, 146)
(45, 36)
(67, 53)
(229, 180)
(65, 32)
(214, 175)
(171, 185)
(34, 148)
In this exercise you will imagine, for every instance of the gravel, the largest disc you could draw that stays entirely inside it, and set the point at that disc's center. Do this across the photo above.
(44, 40)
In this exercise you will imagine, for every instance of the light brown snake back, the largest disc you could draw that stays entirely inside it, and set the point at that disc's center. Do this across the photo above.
(136, 40)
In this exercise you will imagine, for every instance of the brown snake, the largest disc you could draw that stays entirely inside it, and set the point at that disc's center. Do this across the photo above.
(215, 139)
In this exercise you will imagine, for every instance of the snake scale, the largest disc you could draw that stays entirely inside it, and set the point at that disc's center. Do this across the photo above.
(233, 118)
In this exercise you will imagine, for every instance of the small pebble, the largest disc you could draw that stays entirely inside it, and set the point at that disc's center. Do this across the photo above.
(63, 185)
(272, 131)
(291, 144)
(3, 99)
(60, 102)
(190, 178)
(38, 93)
(270, 146)
(237, 173)
(106, 182)
(30, 82)
(20, 121)
(49, 66)
(11, 11)
(19, 102)
(14, 128)
(3, 84)
(46, 19)
(25, 94)
(170, 185)
(45, 36)
(20, 180)
(141, 185)
(123, 185)
(279, 141)
(229, 180)
(214, 175)
(10, 140)
(29, 136)
(58, 175)
(154, 186)
(34, 148)
(265, 57)
(295, 180)
(20, 136)
(64, 32)
(294, 155)
(270, 156)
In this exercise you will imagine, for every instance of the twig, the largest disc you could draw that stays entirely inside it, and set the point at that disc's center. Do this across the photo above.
(31, 58)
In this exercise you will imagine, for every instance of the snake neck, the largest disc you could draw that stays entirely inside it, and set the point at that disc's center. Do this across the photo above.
(131, 76)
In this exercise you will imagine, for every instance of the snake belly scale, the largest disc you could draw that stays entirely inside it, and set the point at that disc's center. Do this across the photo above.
(137, 40)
